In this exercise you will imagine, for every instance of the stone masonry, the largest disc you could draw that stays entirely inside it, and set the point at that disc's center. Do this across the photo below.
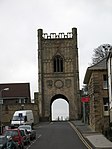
(58, 72)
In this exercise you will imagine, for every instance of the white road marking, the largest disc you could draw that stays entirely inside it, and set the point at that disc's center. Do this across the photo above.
(33, 141)
(39, 136)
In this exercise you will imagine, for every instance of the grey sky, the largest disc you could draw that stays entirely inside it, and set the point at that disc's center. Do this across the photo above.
(60, 108)
(20, 20)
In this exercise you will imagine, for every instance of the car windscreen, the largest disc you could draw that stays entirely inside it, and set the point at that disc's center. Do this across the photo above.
(11, 133)
(25, 127)
(17, 118)
(22, 132)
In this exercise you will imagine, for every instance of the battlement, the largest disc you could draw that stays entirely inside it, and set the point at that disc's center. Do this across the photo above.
(59, 36)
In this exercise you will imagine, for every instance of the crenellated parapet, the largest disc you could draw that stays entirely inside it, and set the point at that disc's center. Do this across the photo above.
(59, 36)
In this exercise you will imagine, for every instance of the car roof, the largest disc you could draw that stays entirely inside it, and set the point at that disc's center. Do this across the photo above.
(22, 129)
(25, 125)
(12, 129)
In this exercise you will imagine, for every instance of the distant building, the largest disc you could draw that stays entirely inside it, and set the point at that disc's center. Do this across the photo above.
(17, 93)
(16, 98)
(96, 80)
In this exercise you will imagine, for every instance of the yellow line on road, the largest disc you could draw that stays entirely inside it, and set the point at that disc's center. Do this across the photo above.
(80, 136)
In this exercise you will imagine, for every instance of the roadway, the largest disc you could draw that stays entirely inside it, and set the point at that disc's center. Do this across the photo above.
(56, 135)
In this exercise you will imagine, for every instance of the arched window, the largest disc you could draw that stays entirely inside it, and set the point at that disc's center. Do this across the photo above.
(58, 64)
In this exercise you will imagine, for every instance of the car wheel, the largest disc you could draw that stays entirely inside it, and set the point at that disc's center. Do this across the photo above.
(29, 142)
(35, 137)
(22, 146)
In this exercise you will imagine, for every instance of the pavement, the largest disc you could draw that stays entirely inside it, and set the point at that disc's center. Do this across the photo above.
(95, 139)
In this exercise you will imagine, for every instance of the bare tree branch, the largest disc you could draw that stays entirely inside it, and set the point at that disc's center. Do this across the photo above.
(100, 53)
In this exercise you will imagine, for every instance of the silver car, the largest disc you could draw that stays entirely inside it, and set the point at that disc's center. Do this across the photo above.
(31, 131)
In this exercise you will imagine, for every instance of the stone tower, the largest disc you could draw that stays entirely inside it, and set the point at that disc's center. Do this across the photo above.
(58, 72)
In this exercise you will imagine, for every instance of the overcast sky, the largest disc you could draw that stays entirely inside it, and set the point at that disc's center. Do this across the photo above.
(58, 112)
(20, 20)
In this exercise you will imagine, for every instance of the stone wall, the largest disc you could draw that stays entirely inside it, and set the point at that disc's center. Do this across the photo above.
(8, 111)
(97, 93)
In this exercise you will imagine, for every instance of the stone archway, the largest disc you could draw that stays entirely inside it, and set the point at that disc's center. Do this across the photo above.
(61, 115)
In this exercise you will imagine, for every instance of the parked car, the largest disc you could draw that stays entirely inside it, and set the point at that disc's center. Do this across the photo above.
(31, 131)
(26, 136)
(3, 140)
(9, 144)
(16, 136)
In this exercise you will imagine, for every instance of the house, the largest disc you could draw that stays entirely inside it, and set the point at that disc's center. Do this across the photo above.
(13, 97)
(16, 93)
(96, 80)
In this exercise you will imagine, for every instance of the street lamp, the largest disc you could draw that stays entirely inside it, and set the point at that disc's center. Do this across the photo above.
(1, 103)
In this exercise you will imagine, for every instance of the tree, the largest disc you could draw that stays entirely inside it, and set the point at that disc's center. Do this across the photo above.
(100, 53)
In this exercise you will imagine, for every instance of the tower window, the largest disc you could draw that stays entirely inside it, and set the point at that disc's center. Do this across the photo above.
(58, 64)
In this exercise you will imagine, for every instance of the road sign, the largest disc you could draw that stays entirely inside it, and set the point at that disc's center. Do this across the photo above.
(85, 99)
(1, 101)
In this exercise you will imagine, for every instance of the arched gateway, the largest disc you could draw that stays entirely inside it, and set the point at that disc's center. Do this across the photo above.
(57, 98)
(58, 72)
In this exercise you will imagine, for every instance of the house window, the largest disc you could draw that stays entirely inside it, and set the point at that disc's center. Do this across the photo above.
(106, 105)
(22, 100)
(105, 85)
(58, 64)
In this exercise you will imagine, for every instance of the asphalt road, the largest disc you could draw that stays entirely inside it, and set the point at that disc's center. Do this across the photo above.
(56, 135)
